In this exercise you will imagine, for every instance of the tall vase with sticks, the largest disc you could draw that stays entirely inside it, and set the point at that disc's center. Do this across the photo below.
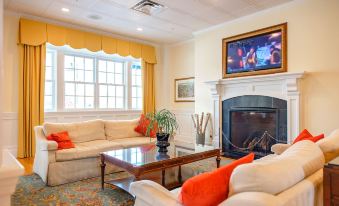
(200, 124)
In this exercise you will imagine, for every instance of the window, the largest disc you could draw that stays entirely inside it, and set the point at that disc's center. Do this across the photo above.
(50, 81)
(79, 80)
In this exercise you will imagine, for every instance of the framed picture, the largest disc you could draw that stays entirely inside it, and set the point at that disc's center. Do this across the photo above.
(184, 90)
(258, 52)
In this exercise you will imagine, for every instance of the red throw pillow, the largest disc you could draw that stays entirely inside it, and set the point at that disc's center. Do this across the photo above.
(63, 140)
(210, 188)
(306, 135)
(142, 127)
(303, 135)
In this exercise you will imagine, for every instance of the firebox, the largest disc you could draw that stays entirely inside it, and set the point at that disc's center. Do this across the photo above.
(253, 124)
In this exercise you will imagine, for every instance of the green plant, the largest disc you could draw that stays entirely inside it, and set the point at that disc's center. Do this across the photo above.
(163, 121)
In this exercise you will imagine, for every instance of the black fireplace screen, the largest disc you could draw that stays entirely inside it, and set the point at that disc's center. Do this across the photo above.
(253, 129)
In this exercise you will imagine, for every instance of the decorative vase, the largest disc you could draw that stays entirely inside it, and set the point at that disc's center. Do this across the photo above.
(200, 138)
(162, 142)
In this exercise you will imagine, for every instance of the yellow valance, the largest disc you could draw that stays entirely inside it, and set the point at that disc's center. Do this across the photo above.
(35, 33)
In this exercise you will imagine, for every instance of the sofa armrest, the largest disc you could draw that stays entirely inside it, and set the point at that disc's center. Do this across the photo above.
(279, 148)
(41, 141)
(149, 193)
(253, 199)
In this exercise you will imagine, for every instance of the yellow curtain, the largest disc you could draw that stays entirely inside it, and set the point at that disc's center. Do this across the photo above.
(148, 87)
(31, 96)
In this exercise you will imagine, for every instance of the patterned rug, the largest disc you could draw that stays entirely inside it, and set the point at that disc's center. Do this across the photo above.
(31, 190)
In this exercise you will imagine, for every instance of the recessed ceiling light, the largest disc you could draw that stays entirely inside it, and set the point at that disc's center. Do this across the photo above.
(139, 29)
(65, 9)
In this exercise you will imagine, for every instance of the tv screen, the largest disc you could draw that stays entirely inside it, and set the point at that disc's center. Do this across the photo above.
(255, 53)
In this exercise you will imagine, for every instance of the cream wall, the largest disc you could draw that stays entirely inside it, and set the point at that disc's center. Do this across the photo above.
(313, 43)
(178, 61)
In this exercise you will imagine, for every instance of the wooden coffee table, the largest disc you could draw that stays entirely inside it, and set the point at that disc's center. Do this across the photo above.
(145, 159)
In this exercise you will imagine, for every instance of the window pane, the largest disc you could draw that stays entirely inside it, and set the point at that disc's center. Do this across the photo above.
(89, 64)
(111, 102)
(111, 91)
(103, 102)
(139, 92)
(134, 92)
(49, 88)
(118, 79)
(119, 103)
(48, 73)
(69, 89)
(89, 102)
(102, 77)
(49, 103)
(79, 75)
(110, 78)
(69, 62)
(134, 80)
(103, 91)
(110, 66)
(118, 67)
(102, 65)
(79, 63)
(69, 75)
(69, 102)
(120, 91)
(80, 101)
(80, 89)
(134, 103)
(89, 76)
(89, 90)
(138, 81)
(49, 60)
(139, 103)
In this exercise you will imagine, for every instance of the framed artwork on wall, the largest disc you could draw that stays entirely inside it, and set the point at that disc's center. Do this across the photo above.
(262, 51)
(184, 90)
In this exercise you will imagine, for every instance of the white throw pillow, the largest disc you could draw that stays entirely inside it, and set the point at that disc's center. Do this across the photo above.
(78, 132)
(279, 173)
(330, 145)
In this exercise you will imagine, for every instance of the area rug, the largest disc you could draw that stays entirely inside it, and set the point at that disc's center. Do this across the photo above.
(31, 190)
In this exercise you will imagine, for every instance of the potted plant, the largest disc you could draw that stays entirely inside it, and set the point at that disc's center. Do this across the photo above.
(165, 124)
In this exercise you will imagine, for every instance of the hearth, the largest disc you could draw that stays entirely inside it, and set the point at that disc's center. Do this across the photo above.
(253, 123)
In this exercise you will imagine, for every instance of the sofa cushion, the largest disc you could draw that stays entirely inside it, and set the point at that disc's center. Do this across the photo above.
(276, 174)
(134, 141)
(117, 129)
(330, 145)
(86, 150)
(78, 132)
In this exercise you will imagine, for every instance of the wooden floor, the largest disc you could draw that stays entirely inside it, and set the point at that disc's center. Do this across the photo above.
(28, 164)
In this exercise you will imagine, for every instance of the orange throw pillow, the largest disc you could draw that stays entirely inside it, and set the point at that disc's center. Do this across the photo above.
(142, 127)
(306, 135)
(210, 188)
(63, 140)
(303, 135)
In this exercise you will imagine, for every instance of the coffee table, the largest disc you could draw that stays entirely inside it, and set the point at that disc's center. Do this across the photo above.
(145, 159)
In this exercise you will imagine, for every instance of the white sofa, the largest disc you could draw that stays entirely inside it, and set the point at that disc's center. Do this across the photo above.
(293, 178)
(57, 167)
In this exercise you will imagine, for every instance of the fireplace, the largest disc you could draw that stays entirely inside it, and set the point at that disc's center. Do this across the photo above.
(253, 123)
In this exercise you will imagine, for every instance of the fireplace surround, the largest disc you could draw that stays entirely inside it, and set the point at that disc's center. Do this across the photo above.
(282, 86)
(253, 123)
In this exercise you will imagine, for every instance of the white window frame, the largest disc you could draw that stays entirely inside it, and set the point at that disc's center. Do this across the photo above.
(60, 92)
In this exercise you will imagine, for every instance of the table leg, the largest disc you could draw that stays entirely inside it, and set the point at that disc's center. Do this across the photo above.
(103, 165)
(179, 175)
(163, 178)
(218, 161)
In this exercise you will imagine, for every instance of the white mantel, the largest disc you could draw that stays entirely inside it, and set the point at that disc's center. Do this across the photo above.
(280, 85)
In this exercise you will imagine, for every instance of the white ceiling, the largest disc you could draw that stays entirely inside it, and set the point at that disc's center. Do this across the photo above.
(175, 23)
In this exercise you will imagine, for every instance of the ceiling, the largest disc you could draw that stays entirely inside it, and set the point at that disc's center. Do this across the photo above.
(175, 23)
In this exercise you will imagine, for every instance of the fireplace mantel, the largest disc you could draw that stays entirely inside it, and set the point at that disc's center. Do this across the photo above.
(281, 85)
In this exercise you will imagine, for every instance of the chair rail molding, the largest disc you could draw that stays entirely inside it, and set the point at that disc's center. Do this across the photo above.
(280, 85)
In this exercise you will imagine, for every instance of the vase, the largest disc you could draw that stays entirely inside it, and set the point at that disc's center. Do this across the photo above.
(200, 138)
(162, 142)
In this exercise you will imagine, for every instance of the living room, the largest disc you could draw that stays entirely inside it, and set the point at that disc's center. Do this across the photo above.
(211, 74)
